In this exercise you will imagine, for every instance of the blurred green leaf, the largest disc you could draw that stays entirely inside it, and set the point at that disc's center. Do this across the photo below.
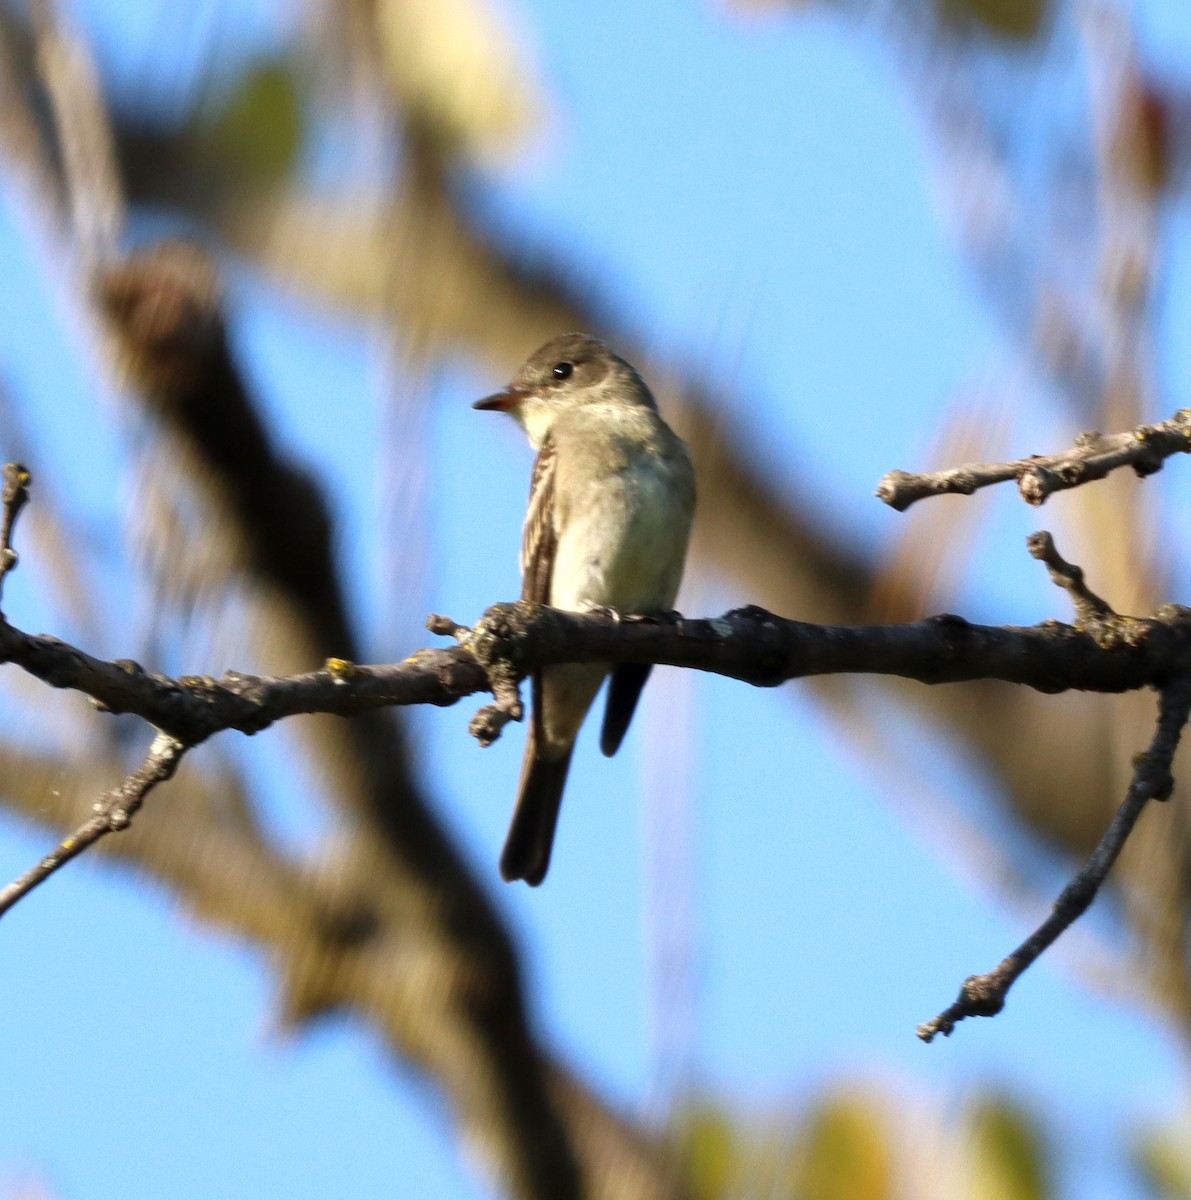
(847, 1152)
(258, 130)
(709, 1148)
(1163, 1161)
(1011, 1159)
(1018, 19)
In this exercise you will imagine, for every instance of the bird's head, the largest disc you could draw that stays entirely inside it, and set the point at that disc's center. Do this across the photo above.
(568, 372)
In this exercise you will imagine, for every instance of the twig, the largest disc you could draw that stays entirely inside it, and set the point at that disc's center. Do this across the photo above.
(1094, 616)
(1089, 608)
(1093, 456)
(488, 641)
(13, 497)
(984, 995)
(113, 812)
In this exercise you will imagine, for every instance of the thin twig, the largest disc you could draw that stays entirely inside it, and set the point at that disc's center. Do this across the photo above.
(13, 497)
(984, 995)
(487, 644)
(1093, 456)
(113, 811)
(1093, 615)
(1089, 608)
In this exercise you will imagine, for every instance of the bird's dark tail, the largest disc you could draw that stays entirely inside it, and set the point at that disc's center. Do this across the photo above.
(531, 835)
(624, 690)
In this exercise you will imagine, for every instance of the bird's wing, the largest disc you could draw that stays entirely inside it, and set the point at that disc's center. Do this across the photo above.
(539, 545)
(539, 538)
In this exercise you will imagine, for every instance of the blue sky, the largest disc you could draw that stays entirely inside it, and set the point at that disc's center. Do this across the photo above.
(754, 194)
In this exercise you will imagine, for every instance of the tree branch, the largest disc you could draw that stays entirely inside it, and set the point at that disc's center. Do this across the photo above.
(748, 644)
(984, 995)
(1093, 456)
(1116, 654)
(112, 812)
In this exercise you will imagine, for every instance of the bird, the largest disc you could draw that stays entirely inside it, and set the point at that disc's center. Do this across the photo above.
(611, 502)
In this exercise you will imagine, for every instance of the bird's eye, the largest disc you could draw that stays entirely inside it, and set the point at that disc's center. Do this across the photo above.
(563, 370)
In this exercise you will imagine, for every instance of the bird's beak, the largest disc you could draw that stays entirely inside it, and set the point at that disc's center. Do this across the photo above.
(504, 401)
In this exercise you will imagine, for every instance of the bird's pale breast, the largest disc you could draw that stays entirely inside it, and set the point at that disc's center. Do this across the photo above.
(622, 541)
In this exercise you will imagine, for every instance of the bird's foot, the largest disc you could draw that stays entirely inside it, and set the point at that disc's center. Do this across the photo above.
(652, 618)
(603, 610)
(670, 617)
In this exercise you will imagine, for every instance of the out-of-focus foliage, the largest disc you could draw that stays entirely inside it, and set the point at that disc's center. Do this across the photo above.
(845, 1151)
(1013, 20)
(258, 131)
(861, 1143)
(1009, 1153)
(1019, 19)
(709, 1146)
(839, 1147)
(1146, 157)
(1162, 1159)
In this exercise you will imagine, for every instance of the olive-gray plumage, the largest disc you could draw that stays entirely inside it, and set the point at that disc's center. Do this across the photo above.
(610, 509)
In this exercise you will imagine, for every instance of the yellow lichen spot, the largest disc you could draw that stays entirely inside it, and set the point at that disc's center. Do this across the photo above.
(340, 669)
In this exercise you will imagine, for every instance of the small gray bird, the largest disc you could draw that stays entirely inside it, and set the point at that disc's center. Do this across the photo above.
(610, 508)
